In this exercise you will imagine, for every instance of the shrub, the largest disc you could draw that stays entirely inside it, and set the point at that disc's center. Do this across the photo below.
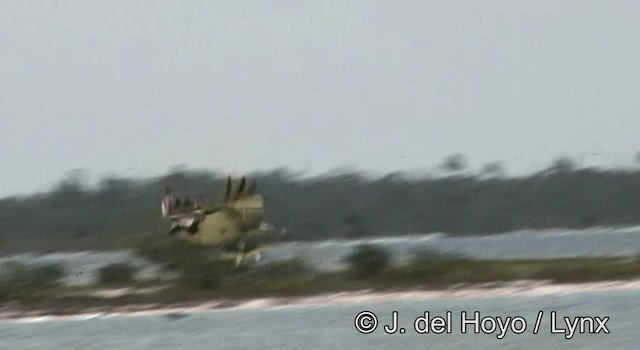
(202, 274)
(117, 273)
(17, 278)
(368, 260)
(196, 267)
(169, 253)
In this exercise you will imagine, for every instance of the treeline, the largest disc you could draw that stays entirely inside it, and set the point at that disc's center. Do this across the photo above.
(120, 212)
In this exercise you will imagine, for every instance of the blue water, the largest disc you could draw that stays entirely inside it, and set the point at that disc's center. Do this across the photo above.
(329, 255)
(517, 245)
(332, 327)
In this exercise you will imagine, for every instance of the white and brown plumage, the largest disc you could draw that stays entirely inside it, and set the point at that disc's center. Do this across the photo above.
(230, 222)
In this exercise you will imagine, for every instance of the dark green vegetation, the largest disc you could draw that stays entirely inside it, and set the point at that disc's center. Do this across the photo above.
(368, 260)
(117, 274)
(369, 268)
(119, 212)
(19, 280)
(200, 280)
(123, 213)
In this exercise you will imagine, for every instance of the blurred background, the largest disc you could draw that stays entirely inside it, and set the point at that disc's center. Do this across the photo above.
(405, 146)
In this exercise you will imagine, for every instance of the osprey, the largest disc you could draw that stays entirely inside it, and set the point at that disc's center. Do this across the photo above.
(227, 224)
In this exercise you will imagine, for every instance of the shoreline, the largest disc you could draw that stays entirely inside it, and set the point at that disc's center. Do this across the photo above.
(457, 292)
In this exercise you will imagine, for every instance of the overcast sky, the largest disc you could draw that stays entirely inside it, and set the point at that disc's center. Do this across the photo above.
(133, 88)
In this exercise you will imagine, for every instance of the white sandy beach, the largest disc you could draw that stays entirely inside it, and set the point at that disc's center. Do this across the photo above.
(480, 291)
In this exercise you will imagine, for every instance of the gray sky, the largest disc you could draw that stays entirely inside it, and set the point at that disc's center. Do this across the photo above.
(132, 88)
